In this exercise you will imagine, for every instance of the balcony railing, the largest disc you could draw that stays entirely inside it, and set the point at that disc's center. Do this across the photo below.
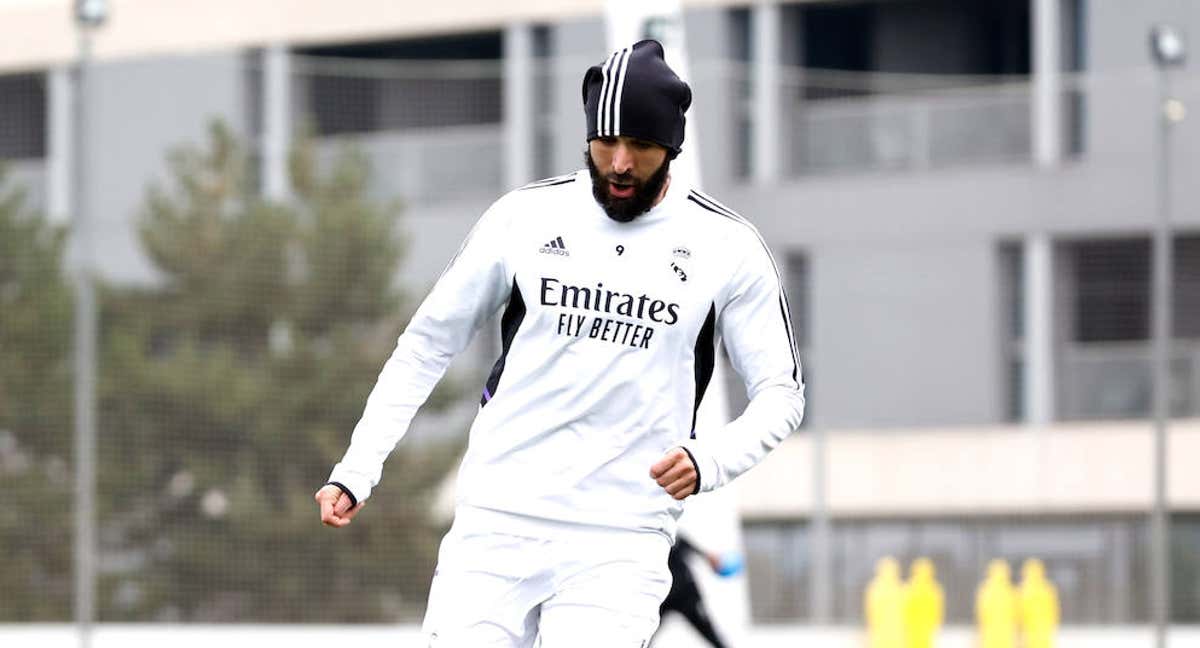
(842, 121)
(909, 132)
(1114, 380)
(427, 165)
(448, 115)
(431, 129)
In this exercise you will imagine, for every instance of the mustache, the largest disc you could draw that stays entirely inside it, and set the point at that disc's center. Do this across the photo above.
(623, 178)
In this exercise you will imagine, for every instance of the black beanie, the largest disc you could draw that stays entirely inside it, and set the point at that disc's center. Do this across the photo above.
(634, 93)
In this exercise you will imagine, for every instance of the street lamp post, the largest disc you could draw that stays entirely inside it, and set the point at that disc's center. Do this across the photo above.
(89, 14)
(1169, 51)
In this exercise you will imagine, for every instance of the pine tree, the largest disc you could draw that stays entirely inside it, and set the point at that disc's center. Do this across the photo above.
(35, 423)
(231, 385)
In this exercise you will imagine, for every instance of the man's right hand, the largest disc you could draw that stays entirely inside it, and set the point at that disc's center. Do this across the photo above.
(336, 510)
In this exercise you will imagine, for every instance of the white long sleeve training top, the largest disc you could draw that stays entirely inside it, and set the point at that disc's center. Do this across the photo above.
(609, 334)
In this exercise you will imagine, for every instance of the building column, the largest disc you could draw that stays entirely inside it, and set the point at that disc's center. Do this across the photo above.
(765, 120)
(1038, 315)
(518, 105)
(58, 145)
(1046, 104)
(277, 121)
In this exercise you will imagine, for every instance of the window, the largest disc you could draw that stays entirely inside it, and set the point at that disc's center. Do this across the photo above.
(1012, 299)
(544, 101)
(1074, 20)
(1107, 362)
(921, 36)
(448, 81)
(1186, 325)
(739, 90)
(777, 562)
(1113, 294)
(914, 84)
(1112, 290)
(1185, 568)
(22, 116)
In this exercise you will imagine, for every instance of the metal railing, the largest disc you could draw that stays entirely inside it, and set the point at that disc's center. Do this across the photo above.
(1113, 380)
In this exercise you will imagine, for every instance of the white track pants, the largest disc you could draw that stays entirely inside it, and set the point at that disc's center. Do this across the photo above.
(515, 582)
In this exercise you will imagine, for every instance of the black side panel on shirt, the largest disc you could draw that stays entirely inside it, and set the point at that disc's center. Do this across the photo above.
(716, 208)
(509, 323)
(705, 358)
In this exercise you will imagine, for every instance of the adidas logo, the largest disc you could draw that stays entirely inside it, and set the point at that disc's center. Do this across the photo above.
(555, 246)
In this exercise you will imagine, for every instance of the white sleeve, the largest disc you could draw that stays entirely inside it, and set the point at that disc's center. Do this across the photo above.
(471, 289)
(757, 333)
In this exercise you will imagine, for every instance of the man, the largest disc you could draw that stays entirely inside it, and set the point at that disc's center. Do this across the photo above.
(684, 596)
(616, 288)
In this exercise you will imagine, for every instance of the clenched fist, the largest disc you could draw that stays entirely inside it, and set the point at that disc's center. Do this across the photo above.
(676, 473)
(337, 509)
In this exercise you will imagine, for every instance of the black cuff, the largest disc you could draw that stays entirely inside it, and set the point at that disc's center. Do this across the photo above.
(696, 466)
(353, 499)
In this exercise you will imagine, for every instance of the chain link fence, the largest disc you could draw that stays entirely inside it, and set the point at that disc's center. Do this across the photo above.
(232, 373)
(229, 380)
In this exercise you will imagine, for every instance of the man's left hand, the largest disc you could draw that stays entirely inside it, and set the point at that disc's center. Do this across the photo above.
(676, 473)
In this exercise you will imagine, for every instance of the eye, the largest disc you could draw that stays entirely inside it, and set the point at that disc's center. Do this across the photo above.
(642, 145)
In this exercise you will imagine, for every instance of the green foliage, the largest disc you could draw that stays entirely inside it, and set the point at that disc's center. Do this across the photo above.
(35, 425)
(231, 386)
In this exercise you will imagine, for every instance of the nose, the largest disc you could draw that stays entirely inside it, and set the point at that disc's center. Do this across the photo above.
(622, 159)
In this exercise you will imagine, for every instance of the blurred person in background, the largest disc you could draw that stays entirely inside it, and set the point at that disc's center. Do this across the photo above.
(1038, 606)
(685, 596)
(884, 605)
(996, 608)
(616, 285)
(924, 605)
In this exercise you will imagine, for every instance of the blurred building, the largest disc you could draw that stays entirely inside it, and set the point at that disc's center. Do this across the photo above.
(961, 196)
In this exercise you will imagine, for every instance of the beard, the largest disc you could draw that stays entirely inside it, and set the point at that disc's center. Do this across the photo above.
(624, 210)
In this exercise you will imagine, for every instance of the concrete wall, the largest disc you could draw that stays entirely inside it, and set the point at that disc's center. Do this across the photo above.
(891, 326)
(577, 45)
(976, 470)
(716, 102)
(142, 109)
